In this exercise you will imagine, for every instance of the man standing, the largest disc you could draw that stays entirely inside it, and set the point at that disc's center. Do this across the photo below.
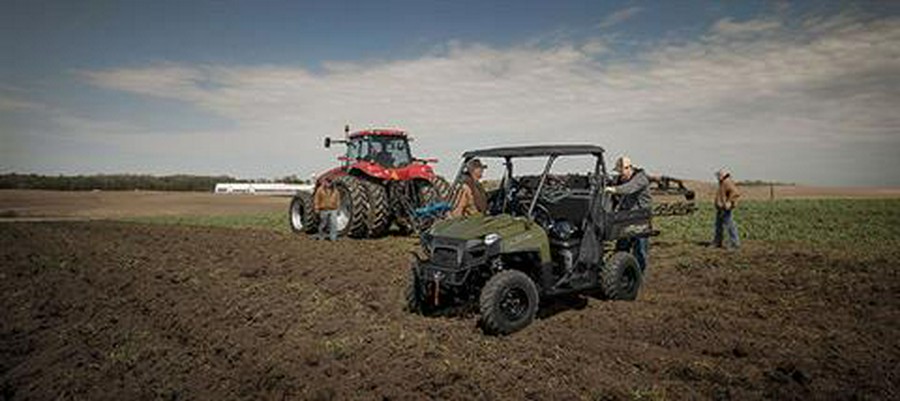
(633, 188)
(326, 201)
(471, 198)
(726, 200)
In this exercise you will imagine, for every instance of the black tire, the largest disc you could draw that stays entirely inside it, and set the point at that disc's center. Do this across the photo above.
(621, 277)
(415, 295)
(302, 217)
(508, 303)
(379, 216)
(355, 200)
(435, 190)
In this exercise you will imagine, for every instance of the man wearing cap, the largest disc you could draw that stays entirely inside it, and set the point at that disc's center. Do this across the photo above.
(726, 199)
(471, 199)
(633, 190)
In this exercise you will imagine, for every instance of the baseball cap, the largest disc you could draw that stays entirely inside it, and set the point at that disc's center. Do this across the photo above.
(475, 163)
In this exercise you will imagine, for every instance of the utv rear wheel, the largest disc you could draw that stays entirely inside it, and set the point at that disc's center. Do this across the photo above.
(508, 302)
(378, 219)
(301, 214)
(352, 213)
(621, 277)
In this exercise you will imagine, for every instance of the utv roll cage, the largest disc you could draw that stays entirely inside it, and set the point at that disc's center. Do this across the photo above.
(550, 152)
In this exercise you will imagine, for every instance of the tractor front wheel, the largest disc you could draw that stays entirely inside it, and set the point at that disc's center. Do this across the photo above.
(508, 303)
(301, 215)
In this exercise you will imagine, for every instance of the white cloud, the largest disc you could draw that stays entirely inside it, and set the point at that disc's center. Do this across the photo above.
(728, 26)
(14, 103)
(686, 108)
(619, 17)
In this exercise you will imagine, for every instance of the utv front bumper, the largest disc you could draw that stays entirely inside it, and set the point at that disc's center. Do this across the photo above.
(451, 262)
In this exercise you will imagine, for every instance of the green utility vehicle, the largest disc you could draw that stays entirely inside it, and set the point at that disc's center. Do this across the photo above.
(544, 235)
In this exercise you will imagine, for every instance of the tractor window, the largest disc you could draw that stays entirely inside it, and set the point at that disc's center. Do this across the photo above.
(357, 149)
(390, 151)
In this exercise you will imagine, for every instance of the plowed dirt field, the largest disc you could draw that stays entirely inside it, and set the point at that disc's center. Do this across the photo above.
(106, 310)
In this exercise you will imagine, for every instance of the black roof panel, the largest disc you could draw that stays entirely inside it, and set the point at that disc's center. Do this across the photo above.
(534, 151)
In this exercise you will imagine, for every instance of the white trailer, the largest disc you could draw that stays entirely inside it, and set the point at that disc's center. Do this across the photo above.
(261, 188)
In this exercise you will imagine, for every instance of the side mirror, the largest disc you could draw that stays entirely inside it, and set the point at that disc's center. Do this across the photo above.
(327, 142)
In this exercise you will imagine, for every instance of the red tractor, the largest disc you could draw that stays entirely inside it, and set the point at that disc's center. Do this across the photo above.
(380, 183)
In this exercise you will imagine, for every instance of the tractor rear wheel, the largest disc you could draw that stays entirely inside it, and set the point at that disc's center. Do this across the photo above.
(418, 193)
(352, 214)
(435, 190)
(301, 215)
(378, 219)
(621, 277)
(508, 303)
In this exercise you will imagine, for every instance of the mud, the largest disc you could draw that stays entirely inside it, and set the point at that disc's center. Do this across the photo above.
(102, 310)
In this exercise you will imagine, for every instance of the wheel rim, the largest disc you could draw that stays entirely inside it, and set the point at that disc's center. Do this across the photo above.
(297, 216)
(514, 304)
(342, 218)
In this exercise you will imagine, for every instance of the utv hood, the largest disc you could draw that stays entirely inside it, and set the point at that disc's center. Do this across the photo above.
(517, 234)
(476, 227)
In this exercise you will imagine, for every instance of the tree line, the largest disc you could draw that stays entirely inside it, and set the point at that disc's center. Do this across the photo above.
(124, 182)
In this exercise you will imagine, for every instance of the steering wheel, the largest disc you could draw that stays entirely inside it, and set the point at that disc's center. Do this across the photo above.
(541, 214)
(555, 188)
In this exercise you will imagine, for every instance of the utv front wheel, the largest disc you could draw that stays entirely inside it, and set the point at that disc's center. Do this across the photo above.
(415, 294)
(508, 302)
(621, 277)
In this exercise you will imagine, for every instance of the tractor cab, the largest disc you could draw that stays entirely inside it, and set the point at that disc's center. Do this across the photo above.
(387, 148)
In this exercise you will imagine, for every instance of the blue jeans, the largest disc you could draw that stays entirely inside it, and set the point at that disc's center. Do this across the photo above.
(639, 247)
(328, 221)
(725, 221)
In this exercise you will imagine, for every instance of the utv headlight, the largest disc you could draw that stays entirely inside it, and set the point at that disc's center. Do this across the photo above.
(491, 238)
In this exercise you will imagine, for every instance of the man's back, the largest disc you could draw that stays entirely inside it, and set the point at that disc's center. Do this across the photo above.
(635, 192)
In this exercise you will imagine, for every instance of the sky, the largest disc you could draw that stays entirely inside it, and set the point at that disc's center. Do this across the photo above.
(801, 92)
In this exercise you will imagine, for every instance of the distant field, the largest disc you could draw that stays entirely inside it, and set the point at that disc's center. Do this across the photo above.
(873, 223)
(867, 217)
(129, 204)
(707, 190)
(125, 204)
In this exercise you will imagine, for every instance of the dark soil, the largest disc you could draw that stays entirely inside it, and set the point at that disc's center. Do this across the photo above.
(124, 311)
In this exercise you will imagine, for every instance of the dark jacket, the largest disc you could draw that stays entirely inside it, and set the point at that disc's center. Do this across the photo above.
(634, 193)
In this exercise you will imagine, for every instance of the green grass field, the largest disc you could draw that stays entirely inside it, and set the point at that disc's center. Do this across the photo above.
(833, 222)
(275, 221)
(870, 222)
